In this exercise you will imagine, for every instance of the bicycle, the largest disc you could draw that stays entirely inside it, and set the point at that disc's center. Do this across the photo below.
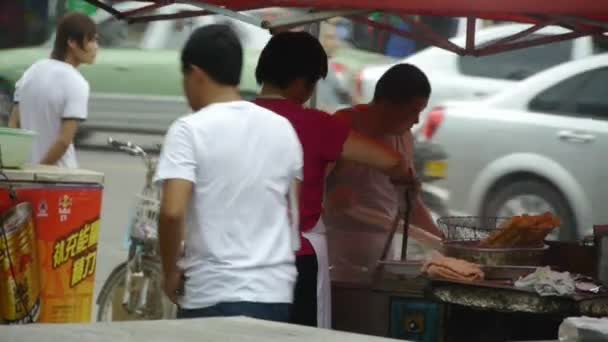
(133, 291)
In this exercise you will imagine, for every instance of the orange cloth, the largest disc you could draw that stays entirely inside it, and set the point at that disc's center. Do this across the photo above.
(451, 268)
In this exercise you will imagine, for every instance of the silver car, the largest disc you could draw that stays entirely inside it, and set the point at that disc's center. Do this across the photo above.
(468, 78)
(537, 146)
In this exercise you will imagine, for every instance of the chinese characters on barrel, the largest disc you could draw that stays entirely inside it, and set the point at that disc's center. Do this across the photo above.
(81, 247)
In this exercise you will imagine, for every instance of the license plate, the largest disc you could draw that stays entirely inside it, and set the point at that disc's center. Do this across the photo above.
(437, 169)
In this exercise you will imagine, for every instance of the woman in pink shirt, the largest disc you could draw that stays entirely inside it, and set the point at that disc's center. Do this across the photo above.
(289, 68)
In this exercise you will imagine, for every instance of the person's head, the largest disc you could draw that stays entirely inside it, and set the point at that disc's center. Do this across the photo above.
(293, 62)
(401, 94)
(76, 40)
(211, 60)
(328, 37)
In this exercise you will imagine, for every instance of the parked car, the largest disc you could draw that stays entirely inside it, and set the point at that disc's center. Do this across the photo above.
(537, 146)
(465, 77)
(136, 83)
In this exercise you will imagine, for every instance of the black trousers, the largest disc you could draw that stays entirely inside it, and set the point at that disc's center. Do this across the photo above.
(304, 309)
(278, 312)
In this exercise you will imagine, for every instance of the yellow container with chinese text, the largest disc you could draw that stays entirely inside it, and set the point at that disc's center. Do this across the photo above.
(19, 266)
(66, 207)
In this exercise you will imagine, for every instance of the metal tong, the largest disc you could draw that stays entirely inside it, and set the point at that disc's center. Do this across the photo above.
(407, 211)
(404, 213)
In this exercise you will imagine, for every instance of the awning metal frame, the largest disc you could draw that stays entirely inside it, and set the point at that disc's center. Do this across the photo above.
(578, 26)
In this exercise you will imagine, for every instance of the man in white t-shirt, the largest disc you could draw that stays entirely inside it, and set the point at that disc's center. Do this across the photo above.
(51, 98)
(230, 173)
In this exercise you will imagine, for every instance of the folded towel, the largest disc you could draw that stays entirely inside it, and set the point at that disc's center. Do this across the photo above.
(452, 268)
(548, 283)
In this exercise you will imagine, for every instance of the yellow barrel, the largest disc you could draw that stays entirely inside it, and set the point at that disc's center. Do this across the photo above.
(19, 267)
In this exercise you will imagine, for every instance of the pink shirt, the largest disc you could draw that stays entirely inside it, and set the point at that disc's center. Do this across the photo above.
(373, 189)
(322, 139)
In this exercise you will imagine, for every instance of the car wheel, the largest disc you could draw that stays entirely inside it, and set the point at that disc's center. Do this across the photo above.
(532, 197)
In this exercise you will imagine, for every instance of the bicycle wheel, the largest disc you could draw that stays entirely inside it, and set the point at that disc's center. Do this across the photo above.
(110, 300)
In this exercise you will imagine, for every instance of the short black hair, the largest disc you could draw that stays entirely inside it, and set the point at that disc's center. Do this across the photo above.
(217, 50)
(73, 26)
(401, 83)
(289, 56)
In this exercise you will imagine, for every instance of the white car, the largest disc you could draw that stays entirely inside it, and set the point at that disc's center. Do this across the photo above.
(455, 77)
(537, 146)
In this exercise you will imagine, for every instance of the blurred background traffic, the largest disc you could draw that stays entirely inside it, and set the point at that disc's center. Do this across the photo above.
(524, 131)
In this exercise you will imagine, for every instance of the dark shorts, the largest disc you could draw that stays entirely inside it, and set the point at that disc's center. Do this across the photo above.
(278, 312)
(304, 310)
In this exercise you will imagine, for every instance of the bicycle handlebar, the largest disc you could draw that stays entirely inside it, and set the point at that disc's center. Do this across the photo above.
(117, 143)
(127, 146)
(136, 150)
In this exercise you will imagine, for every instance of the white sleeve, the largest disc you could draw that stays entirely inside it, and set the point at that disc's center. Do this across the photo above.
(294, 202)
(294, 216)
(76, 99)
(298, 154)
(177, 159)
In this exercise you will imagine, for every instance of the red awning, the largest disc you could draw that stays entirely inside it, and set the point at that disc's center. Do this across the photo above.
(580, 17)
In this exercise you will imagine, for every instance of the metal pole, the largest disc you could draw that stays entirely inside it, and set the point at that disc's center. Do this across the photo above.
(312, 18)
(470, 43)
(225, 12)
(315, 30)
(387, 245)
(409, 203)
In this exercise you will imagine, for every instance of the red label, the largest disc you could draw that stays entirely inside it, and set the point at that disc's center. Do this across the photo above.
(67, 230)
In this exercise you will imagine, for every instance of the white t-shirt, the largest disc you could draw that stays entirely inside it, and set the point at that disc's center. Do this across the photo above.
(48, 92)
(242, 160)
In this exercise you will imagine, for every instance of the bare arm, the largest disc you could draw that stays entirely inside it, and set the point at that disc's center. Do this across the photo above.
(421, 215)
(177, 194)
(422, 218)
(69, 127)
(330, 168)
(14, 120)
(364, 150)
(176, 169)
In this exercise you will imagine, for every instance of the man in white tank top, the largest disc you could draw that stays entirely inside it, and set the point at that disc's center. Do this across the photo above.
(361, 203)
(51, 98)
